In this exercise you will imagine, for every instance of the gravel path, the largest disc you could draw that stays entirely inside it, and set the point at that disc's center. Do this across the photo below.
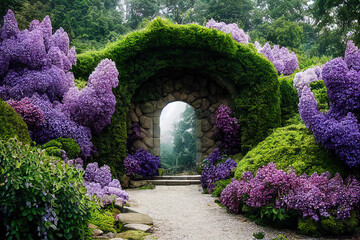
(182, 212)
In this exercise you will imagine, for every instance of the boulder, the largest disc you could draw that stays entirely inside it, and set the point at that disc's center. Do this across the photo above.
(140, 227)
(135, 218)
(136, 184)
(97, 232)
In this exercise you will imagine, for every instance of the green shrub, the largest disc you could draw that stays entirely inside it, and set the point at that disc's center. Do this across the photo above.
(321, 96)
(53, 151)
(291, 146)
(162, 47)
(330, 226)
(71, 148)
(105, 220)
(220, 186)
(39, 195)
(12, 125)
(289, 99)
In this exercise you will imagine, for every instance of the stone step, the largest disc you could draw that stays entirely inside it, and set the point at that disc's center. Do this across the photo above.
(181, 177)
(169, 182)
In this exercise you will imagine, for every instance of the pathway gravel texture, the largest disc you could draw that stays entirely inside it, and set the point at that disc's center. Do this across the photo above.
(183, 212)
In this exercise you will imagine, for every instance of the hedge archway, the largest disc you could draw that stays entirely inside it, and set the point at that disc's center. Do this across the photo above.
(162, 45)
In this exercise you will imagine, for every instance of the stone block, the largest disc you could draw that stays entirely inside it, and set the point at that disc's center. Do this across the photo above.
(183, 96)
(136, 184)
(160, 104)
(205, 125)
(207, 142)
(178, 85)
(156, 131)
(139, 227)
(197, 103)
(170, 98)
(147, 107)
(149, 142)
(205, 104)
(146, 122)
(204, 92)
(138, 111)
(133, 117)
(135, 218)
(139, 144)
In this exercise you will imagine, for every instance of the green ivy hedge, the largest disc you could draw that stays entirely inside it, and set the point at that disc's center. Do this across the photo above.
(163, 45)
(291, 146)
(12, 125)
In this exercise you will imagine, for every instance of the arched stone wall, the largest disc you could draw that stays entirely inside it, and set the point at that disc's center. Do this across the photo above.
(199, 91)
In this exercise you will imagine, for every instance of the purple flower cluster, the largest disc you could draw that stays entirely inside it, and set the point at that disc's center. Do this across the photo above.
(134, 136)
(227, 130)
(142, 163)
(238, 34)
(215, 170)
(285, 62)
(311, 196)
(34, 65)
(98, 181)
(338, 129)
(31, 114)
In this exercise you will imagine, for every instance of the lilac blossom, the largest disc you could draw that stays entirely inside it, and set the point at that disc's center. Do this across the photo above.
(312, 196)
(284, 61)
(98, 182)
(39, 72)
(215, 170)
(338, 129)
(238, 34)
(227, 130)
(142, 163)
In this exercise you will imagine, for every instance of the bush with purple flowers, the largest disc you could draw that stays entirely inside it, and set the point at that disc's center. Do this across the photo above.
(99, 182)
(315, 196)
(338, 128)
(238, 34)
(227, 130)
(215, 169)
(285, 62)
(142, 163)
(34, 65)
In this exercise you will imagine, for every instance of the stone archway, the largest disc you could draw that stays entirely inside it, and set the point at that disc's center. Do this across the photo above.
(199, 91)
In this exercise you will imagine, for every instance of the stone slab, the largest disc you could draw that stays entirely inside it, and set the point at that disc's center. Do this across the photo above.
(135, 218)
(140, 227)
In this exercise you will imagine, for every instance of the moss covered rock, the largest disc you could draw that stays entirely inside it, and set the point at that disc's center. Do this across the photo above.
(12, 125)
(291, 146)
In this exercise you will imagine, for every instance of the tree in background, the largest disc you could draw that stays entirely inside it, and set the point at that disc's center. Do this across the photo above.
(182, 156)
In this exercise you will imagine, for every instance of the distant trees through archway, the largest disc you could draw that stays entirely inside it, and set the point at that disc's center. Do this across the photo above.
(178, 138)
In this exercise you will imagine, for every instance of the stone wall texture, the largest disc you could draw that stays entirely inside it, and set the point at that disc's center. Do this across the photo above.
(204, 95)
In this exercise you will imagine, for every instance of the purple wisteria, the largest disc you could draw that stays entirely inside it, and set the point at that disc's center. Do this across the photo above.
(142, 163)
(227, 130)
(98, 181)
(312, 196)
(338, 129)
(285, 62)
(215, 170)
(238, 34)
(34, 65)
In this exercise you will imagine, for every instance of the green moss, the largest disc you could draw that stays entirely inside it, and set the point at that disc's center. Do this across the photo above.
(133, 235)
(291, 146)
(163, 46)
(105, 220)
(12, 125)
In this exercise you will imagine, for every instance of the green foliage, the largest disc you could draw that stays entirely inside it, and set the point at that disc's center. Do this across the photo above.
(321, 96)
(291, 146)
(289, 99)
(305, 61)
(280, 32)
(330, 226)
(274, 214)
(34, 188)
(259, 235)
(12, 125)
(71, 148)
(105, 220)
(198, 49)
(220, 186)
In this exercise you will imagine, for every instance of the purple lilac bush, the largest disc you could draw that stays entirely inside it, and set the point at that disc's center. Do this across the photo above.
(142, 163)
(133, 137)
(215, 169)
(238, 34)
(338, 129)
(285, 62)
(312, 196)
(98, 181)
(35, 64)
(227, 130)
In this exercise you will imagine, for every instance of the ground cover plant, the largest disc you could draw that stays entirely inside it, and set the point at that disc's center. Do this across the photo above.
(321, 198)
